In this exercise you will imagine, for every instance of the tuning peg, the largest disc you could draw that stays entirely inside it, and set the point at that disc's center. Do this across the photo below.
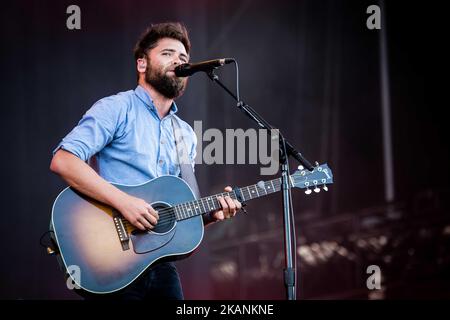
(300, 167)
(325, 188)
(308, 191)
(316, 189)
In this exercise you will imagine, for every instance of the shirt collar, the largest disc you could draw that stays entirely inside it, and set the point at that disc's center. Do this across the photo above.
(147, 99)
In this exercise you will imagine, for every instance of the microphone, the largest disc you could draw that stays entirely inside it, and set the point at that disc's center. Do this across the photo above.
(188, 69)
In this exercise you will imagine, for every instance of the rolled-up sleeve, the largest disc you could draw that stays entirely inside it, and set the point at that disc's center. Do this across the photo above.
(95, 130)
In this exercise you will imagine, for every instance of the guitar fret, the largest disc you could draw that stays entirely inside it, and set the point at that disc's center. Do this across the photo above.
(246, 196)
(249, 193)
(193, 208)
(180, 206)
(202, 208)
(208, 207)
(253, 192)
(211, 204)
(178, 211)
(264, 189)
(205, 206)
(186, 208)
(183, 205)
(267, 187)
(242, 194)
(189, 208)
(196, 207)
(216, 202)
(196, 211)
(177, 216)
(180, 214)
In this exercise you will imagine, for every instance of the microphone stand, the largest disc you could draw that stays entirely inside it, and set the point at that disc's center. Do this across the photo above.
(286, 150)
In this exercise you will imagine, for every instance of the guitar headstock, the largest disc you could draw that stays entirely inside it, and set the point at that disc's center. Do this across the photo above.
(312, 180)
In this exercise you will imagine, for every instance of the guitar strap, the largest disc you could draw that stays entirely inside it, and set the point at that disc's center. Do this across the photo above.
(187, 171)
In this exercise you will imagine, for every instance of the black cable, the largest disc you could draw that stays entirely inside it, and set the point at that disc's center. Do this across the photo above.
(238, 96)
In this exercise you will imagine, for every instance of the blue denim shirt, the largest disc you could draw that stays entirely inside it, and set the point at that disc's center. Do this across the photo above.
(125, 141)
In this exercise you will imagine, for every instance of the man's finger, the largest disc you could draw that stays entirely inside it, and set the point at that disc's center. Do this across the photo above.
(224, 205)
(154, 214)
(139, 226)
(151, 219)
(152, 211)
(231, 204)
(219, 215)
(144, 222)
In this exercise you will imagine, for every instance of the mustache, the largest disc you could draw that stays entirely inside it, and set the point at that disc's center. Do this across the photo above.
(169, 68)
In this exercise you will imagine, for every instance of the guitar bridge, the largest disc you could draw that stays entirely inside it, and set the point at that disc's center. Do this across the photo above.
(121, 230)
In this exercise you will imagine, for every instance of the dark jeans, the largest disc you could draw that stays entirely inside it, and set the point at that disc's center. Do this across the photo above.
(159, 282)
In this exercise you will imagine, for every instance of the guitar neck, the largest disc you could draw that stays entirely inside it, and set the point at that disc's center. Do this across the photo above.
(207, 204)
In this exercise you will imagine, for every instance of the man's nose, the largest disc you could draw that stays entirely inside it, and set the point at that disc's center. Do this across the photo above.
(177, 61)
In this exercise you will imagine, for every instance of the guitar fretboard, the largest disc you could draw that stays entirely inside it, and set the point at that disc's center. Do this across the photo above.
(200, 206)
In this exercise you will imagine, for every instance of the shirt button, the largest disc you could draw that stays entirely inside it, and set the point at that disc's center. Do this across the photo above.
(163, 141)
(161, 162)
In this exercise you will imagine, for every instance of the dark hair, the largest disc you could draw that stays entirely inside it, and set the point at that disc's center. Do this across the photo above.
(155, 32)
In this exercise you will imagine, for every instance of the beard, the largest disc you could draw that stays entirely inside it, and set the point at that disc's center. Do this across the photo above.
(170, 87)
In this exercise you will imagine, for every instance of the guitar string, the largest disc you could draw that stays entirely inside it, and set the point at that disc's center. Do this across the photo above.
(169, 211)
(167, 214)
(277, 184)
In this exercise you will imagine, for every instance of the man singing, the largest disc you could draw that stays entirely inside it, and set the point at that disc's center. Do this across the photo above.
(128, 138)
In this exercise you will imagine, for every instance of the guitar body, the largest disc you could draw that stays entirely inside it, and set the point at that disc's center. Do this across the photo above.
(88, 239)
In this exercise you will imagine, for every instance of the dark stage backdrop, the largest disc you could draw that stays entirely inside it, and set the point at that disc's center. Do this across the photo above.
(312, 69)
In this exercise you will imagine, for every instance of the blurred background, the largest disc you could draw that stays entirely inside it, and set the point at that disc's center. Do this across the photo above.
(341, 93)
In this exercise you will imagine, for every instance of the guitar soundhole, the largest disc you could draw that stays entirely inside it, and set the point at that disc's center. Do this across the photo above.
(166, 217)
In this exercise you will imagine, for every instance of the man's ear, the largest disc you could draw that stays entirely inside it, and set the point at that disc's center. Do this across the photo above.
(141, 65)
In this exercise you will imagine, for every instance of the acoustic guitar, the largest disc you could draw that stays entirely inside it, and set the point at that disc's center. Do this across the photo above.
(110, 253)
